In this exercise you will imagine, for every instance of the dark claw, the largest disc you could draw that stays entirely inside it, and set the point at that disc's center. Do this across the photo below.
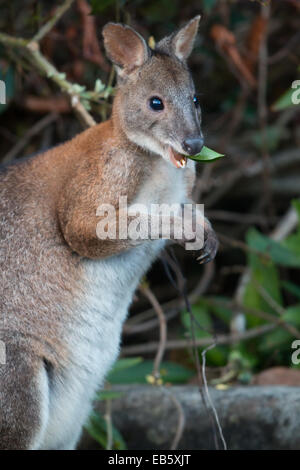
(210, 248)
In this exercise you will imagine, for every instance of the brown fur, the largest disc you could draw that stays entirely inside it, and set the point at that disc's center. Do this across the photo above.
(48, 222)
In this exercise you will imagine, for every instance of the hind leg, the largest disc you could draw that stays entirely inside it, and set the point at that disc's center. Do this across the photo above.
(24, 400)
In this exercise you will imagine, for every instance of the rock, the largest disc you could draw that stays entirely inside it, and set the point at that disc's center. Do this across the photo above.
(252, 417)
(278, 376)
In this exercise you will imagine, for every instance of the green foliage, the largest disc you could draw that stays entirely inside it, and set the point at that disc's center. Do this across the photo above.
(272, 138)
(97, 428)
(267, 275)
(285, 253)
(138, 372)
(203, 326)
(285, 101)
(263, 273)
(263, 293)
(206, 155)
(131, 371)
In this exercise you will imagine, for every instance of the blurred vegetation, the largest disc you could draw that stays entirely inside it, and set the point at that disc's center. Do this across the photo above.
(245, 62)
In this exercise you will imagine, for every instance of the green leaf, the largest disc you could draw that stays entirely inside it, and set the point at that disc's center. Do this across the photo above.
(217, 356)
(285, 101)
(248, 358)
(263, 273)
(280, 338)
(170, 372)
(203, 325)
(292, 315)
(97, 428)
(122, 364)
(224, 313)
(108, 395)
(278, 252)
(275, 339)
(206, 155)
(202, 320)
(296, 205)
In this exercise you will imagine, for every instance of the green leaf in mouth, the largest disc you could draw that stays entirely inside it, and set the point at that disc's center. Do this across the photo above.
(206, 155)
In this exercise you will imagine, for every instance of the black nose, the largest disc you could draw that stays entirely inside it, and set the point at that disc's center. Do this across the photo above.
(193, 146)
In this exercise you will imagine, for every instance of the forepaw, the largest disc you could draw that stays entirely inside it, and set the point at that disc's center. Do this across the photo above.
(210, 248)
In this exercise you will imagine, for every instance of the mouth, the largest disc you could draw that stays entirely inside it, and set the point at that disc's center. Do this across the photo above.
(177, 159)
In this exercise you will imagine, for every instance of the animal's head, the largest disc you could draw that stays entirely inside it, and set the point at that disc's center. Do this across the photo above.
(156, 102)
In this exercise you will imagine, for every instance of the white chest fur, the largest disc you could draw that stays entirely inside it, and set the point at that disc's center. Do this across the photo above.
(110, 283)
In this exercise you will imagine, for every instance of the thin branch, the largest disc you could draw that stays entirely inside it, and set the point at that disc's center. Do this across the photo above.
(51, 23)
(129, 329)
(268, 317)
(209, 399)
(172, 307)
(242, 246)
(146, 291)
(239, 308)
(34, 130)
(144, 288)
(268, 298)
(181, 419)
(31, 52)
(236, 217)
(186, 343)
(262, 107)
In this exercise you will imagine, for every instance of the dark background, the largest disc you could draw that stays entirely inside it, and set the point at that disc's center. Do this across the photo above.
(245, 59)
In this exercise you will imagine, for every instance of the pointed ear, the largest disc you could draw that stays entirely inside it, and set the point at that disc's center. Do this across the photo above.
(125, 47)
(183, 41)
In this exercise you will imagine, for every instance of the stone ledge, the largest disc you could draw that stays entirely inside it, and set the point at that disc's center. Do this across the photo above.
(252, 417)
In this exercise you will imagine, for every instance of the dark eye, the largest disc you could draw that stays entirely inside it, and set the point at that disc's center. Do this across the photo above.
(196, 101)
(156, 103)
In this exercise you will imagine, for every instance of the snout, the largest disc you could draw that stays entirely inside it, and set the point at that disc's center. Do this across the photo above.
(193, 146)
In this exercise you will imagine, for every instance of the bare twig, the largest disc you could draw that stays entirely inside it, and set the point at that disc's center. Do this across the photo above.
(209, 399)
(268, 317)
(91, 49)
(262, 105)
(31, 52)
(242, 246)
(181, 419)
(236, 217)
(133, 329)
(268, 298)
(144, 321)
(34, 130)
(231, 338)
(144, 288)
(52, 22)
(222, 184)
(286, 225)
(285, 50)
